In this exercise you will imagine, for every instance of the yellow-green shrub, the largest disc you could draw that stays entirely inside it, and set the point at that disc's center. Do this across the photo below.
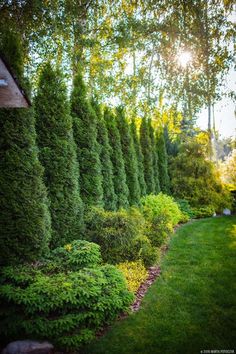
(134, 272)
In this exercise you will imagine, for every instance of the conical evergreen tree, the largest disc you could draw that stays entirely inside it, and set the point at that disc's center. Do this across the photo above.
(85, 134)
(162, 163)
(119, 175)
(129, 155)
(58, 156)
(146, 147)
(155, 158)
(24, 216)
(139, 156)
(109, 196)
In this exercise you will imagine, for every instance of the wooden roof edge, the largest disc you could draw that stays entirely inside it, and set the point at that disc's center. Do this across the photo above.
(15, 78)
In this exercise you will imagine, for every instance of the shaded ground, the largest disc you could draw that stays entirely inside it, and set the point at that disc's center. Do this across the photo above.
(192, 305)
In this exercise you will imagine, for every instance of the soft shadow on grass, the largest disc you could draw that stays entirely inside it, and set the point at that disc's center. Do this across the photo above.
(192, 306)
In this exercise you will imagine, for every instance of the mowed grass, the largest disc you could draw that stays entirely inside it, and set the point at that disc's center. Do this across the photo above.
(192, 306)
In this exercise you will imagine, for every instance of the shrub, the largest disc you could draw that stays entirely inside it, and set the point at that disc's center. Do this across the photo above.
(142, 249)
(77, 255)
(195, 178)
(85, 135)
(67, 308)
(57, 153)
(204, 212)
(161, 214)
(120, 235)
(24, 216)
(134, 272)
(187, 211)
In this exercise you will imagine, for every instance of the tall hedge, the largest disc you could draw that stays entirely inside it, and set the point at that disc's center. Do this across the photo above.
(146, 148)
(119, 176)
(85, 133)
(139, 156)
(155, 158)
(109, 196)
(162, 163)
(24, 217)
(58, 156)
(129, 155)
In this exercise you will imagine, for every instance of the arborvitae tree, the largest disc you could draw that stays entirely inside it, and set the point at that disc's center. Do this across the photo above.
(119, 176)
(129, 155)
(146, 147)
(139, 156)
(162, 163)
(85, 134)
(109, 196)
(24, 216)
(58, 156)
(155, 158)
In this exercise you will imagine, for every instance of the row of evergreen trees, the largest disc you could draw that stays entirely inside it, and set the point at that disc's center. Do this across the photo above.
(89, 157)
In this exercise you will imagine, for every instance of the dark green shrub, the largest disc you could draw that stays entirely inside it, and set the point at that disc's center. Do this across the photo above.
(57, 153)
(76, 255)
(67, 308)
(162, 163)
(109, 196)
(119, 176)
(146, 148)
(139, 156)
(85, 135)
(155, 159)
(25, 225)
(161, 214)
(129, 155)
(120, 235)
(185, 207)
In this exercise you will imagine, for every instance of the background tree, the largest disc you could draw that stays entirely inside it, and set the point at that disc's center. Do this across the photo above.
(85, 134)
(119, 176)
(24, 216)
(58, 156)
(129, 155)
(109, 196)
(139, 156)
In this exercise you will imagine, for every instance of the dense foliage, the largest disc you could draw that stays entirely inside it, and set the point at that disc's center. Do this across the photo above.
(66, 305)
(119, 176)
(57, 153)
(134, 272)
(109, 196)
(194, 178)
(120, 235)
(162, 214)
(24, 217)
(139, 157)
(129, 155)
(162, 163)
(147, 150)
(85, 134)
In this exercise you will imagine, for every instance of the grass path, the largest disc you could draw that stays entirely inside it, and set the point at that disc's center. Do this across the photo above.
(192, 306)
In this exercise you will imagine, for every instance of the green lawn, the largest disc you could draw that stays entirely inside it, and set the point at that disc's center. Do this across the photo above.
(192, 306)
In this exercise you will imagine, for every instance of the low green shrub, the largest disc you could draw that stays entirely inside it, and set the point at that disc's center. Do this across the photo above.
(162, 214)
(66, 308)
(134, 273)
(76, 255)
(143, 249)
(120, 235)
(204, 212)
(186, 209)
